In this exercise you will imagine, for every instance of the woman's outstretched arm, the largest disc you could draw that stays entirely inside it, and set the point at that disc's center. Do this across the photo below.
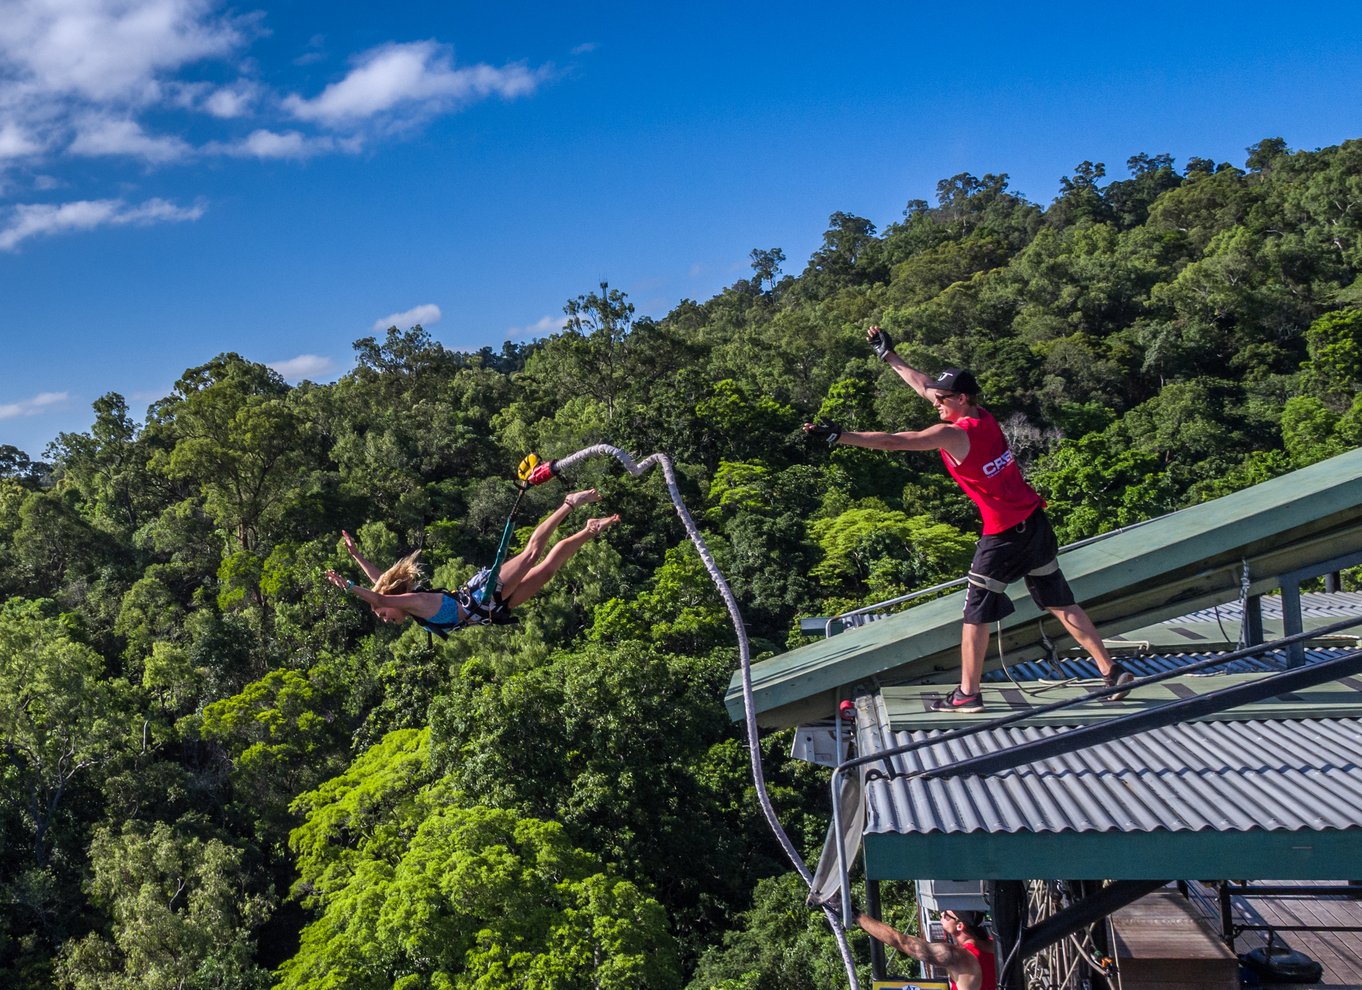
(370, 571)
(421, 604)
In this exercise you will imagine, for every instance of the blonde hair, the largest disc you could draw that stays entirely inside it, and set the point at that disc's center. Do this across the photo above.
(401, 578)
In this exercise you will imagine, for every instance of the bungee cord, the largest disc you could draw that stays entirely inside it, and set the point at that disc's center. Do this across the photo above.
(546, 470)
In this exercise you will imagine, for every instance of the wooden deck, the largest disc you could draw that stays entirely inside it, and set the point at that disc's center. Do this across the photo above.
(1340, 953)
(1161, 944)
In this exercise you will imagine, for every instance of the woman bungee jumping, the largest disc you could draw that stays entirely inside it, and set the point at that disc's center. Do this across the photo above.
(490, 596)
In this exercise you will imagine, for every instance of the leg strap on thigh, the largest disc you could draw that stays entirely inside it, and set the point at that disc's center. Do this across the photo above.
(987, 583)
(1045, 569)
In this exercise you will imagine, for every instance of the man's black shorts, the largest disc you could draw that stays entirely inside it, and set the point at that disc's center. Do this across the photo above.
(1028, 550)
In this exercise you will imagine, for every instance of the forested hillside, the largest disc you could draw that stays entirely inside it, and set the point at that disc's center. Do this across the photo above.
(219, 771)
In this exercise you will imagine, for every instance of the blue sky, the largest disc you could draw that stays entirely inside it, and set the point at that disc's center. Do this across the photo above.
(180, 178)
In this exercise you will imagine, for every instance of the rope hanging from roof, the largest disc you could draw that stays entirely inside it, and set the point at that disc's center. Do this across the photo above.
(636, 468)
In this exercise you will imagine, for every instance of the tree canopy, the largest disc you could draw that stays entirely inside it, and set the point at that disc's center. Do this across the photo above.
(216, 771)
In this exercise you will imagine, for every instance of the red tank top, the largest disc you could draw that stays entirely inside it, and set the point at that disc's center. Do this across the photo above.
(987, 963)
(990, 477)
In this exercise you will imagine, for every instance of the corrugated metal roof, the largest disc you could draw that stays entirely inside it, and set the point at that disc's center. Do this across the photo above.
(1204, 776)
(1220, 626)
(1143, 666)
(1321, 604)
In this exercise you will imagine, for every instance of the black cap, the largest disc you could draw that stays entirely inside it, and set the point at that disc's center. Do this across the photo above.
(956, 380)
(974, 919)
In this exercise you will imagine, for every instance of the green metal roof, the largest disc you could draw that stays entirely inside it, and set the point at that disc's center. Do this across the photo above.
(1168, 567)
(1158, 855)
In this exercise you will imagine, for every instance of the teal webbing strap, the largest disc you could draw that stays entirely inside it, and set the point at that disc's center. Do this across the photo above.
(495, 569)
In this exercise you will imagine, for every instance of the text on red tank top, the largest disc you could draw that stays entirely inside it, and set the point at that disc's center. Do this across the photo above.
(989, 475)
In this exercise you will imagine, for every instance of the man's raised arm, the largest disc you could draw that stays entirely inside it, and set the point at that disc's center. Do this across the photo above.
(884, 348)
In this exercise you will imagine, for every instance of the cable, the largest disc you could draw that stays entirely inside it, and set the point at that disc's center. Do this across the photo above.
(1050, 658)
(636, 468)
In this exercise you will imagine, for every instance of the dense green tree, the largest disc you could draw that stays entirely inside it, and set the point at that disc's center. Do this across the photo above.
(747, 425)
(631, 754)
(1150, 177)
(766, 266)
(880, 554)
(849, 255)
(181, 915)
(777, 944)
(108, 466)
(283, 735)
(149, 613)
(62, 720)
(16, 465)
(602, 352)
(1097, 483)
(411, 422)
(237, 437)
(62, 715)
(1080, 197)
(1266, 154)
(1335, 347)
(412, 890)
(55, 552)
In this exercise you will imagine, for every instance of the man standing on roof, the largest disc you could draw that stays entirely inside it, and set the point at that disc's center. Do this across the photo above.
(1017, 540)
(967, 956)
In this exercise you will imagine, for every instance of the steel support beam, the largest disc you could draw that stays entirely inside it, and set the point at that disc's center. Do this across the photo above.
(1080, 915)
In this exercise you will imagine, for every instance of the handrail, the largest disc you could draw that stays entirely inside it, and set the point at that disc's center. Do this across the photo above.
(922, 592)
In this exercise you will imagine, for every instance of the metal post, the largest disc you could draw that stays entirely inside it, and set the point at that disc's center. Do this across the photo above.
(872, 908)
(1007, 900)
(1253, 620)
(1291, 622)
(1087, 888)
(1226, 915)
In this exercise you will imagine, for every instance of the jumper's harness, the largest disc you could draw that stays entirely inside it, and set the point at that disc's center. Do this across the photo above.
(478, 599)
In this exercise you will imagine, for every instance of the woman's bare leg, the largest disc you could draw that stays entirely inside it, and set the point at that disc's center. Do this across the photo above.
(562, 551)
(513, 570)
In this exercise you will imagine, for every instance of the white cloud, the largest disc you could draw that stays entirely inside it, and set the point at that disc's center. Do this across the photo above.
(265, 143)
(36, 219)
(82, 79)
(100, 137)
(427, 315)
(543, 327)
(110, 50)
(15, 142)
(312, 366)
(231, 102)
(413, 79)
(79, 72)
(35, 406)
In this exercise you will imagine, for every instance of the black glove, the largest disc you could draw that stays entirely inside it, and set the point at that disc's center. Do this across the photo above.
(828, 431)
(883, 343)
